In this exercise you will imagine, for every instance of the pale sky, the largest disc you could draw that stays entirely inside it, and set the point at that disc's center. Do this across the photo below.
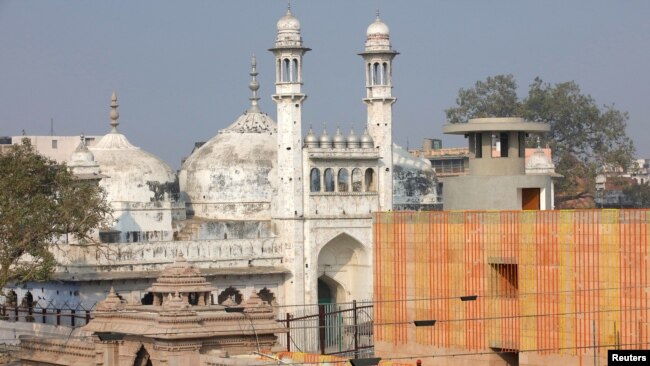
(180, 68)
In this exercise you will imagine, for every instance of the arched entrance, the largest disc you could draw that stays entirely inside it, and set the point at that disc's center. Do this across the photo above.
(344, 272)
(142, 358)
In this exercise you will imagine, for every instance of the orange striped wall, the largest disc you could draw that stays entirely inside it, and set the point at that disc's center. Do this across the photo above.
(546, 281)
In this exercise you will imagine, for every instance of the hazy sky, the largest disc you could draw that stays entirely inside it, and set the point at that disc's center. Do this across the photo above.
(180, 68)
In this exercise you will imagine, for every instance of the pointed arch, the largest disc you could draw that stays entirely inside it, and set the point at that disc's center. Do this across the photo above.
(343, 180)
(344, 265)
(266, 295)
(142, 358)
(357, 180)
(329, 180)
(231, 293)
(314, 180)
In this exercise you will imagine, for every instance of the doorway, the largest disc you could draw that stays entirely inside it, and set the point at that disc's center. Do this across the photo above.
(530, 199)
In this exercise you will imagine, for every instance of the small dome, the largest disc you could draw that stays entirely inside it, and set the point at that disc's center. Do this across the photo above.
(353, 140)
(81, 156)
(539, 163)
(378, 28)
(288, 23)
(339, 140)
(311, 140)
(325, 140)
(366, 141)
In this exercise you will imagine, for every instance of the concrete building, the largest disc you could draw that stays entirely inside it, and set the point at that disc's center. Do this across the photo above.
(57, 148)
(497, 165)
(259, 205)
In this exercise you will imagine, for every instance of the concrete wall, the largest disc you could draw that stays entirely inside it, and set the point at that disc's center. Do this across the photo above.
(494, 192)
(10, 331)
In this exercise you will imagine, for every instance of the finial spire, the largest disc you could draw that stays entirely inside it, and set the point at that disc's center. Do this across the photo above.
(254, 86)
(288, 6)
(83, 140)
(114, 113)
(377, 18)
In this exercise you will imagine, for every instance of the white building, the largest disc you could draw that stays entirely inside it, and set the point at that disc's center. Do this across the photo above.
(260, 209)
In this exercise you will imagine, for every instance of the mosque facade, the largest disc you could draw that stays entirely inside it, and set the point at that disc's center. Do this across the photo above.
(260, 208)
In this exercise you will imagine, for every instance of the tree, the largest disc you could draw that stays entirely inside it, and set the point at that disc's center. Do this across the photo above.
(584, 137)
(42, 205)
(638, 194)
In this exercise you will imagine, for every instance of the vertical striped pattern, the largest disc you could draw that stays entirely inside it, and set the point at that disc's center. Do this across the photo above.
(546, 281)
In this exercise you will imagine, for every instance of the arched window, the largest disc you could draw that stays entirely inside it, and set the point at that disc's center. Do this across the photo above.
(371, 184)
(230, 293)
(357, 180)
(343, 180)
(329, 180)
(266, 295)
(314, 180)
(294, 70)
(385, 74)
(286, 70)
(369, 74)
(375, 74)
(147, 299)
(278, 71)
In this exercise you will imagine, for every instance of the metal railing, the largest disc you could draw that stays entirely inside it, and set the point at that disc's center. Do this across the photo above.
(71, 316)
(343, 329)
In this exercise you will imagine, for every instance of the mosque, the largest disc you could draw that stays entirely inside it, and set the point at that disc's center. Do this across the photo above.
(260, 208)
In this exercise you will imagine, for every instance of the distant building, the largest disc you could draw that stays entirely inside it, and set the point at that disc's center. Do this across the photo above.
(57, 148)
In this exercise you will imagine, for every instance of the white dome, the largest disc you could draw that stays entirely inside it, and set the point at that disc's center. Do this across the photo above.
(377, 28)
(230, 177)
(539, 163)
(288, 23)
(131, 174)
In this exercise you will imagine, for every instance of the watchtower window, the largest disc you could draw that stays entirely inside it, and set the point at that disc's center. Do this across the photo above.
(294, 70)
(476, 145)
(522, 144)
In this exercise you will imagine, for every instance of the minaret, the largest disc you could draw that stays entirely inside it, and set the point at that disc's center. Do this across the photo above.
(288, 209)
(378, 57)
(288, 95)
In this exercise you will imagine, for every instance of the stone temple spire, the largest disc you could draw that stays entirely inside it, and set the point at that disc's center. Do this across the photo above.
(114, 113)
(254, 87)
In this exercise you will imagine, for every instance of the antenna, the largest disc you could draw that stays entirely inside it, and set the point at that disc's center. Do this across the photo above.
(51, 126)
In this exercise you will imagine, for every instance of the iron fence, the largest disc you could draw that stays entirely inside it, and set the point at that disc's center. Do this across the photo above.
(343, 329)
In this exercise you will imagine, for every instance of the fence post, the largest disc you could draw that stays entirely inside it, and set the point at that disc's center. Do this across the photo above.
(288, 320)
(321, 327)
(356, 329)
(44, 312)
(58, 316)
(72, 318)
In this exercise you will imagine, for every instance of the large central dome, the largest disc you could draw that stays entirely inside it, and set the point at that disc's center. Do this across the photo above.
(230, 177)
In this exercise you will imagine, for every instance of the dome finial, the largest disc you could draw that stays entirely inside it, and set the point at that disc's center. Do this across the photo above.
(288, 7)
(114, 113)
(254, 86)
(377, 18)
(83, 140)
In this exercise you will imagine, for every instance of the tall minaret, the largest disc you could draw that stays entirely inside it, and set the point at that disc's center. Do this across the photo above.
(288, 210)
(288, 95)
(378, 57)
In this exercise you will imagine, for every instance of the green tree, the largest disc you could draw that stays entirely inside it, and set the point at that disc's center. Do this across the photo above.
(42, 205)
(584, 136)
(639, 194)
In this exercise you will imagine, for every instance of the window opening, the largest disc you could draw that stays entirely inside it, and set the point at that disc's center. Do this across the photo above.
(357, 180)
(314, 179)
(329, 180)
(343, 180)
